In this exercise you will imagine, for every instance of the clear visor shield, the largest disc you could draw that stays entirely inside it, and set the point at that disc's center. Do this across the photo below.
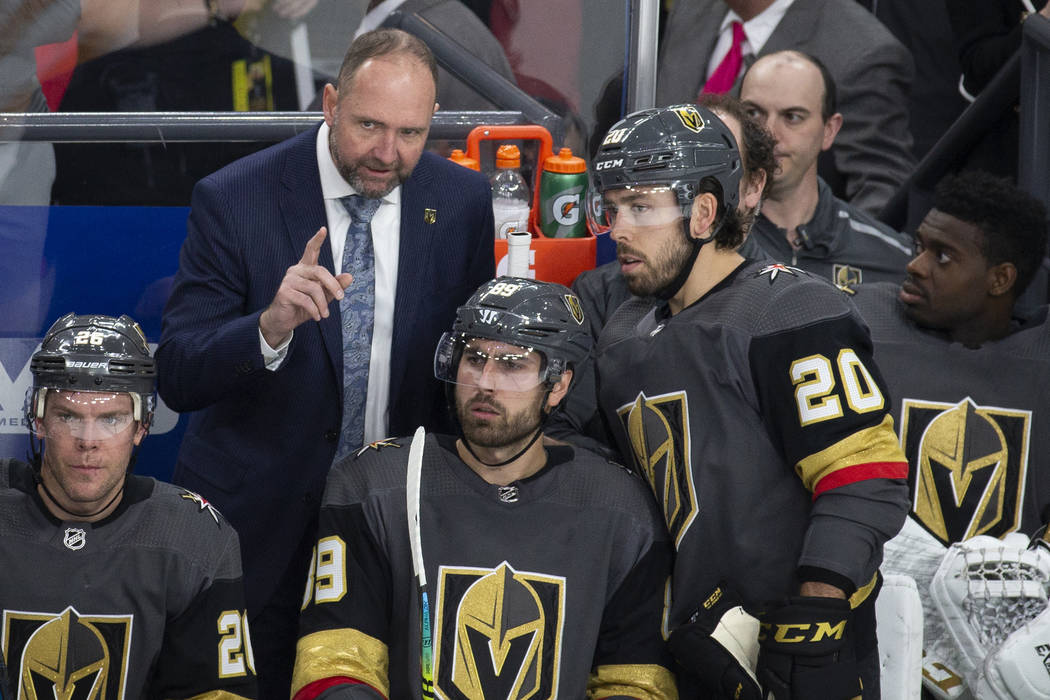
(637, 207)
(488, 364)
(85, 415)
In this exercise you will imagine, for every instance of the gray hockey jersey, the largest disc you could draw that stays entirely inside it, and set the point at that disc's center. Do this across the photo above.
(761, 422)
(545, 587)
(973, 422)
(147, 603)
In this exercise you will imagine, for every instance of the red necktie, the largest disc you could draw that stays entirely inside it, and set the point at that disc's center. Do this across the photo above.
(724, 77)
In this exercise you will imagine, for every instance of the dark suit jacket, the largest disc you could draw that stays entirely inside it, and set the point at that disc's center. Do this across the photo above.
(872, 71)
(259, 443)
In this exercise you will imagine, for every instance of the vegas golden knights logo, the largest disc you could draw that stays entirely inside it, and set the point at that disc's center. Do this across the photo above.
(69, 655)
(690, 118)
(968, 467)
(846, 276)
(499, 634)
(572, 303)
(658, 428)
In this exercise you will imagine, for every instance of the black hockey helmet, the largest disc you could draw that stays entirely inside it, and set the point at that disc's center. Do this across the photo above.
(544, 317)
(676, 147)
(94, 353)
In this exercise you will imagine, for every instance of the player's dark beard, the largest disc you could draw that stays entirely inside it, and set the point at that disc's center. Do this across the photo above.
(505, 431)
(351, 171)
(660, 269)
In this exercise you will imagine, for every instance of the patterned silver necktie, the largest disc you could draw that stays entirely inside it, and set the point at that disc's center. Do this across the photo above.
(357, 309)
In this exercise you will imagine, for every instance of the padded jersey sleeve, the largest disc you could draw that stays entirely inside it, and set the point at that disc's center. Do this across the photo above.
(207, 650)
(826, 406)
(345, 620)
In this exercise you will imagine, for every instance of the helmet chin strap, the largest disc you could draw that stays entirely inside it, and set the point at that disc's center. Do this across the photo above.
(539, 431)
(676, 284)
(82, 516)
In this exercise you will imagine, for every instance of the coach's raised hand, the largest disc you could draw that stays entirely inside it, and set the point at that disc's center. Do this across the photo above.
(305, 293)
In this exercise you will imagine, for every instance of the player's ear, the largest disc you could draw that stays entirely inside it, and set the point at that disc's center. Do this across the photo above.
(705, 211)
(560, 389)
(1001, 278)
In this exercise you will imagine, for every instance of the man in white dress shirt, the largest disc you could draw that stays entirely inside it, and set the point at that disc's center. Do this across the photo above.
(253, 339)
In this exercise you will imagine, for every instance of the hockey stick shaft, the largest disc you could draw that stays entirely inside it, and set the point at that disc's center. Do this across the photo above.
(415, 472)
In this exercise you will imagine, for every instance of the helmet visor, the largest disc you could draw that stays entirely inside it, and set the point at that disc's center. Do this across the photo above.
(638, 207)
(488, 364)
(86, 415)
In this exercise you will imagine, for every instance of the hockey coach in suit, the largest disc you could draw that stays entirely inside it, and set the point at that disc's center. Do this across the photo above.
(258, 324)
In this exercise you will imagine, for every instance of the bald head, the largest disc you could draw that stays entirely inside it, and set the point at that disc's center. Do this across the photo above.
(792, 95)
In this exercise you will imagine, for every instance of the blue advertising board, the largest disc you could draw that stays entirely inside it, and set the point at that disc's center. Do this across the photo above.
(108, 260)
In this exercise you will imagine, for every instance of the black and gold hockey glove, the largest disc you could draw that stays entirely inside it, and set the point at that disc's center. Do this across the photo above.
(807, 652)
(719, 645)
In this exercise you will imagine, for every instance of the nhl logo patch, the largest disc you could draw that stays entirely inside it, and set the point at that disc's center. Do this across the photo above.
(74, 538)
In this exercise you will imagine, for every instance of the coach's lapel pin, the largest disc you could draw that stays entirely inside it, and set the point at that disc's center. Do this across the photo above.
(430, 216)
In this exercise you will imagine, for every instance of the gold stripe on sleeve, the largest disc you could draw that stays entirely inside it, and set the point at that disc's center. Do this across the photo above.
(875, 445)
(646, 682)
(341, 652)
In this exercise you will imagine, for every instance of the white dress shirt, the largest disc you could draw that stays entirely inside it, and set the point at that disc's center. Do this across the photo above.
(758, 30)
(386, 236)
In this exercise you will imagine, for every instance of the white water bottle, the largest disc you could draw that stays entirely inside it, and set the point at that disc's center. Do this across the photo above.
(510, 194)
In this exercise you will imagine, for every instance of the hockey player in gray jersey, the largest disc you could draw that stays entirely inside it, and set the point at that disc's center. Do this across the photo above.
(113, 586)
(970, 378)
(548, 565)
(750, 401)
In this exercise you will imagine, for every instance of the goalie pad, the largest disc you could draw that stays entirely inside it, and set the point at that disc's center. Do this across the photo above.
(1020, 668)
(986, 588)
(898, 610)
(719, 645)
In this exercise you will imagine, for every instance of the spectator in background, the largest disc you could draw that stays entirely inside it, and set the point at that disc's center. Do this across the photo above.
(874, 71)
(802, 222)
(934, 102)
(284, 369)
(969, 376)
(987, 34)
(461, 24)
(184, 57)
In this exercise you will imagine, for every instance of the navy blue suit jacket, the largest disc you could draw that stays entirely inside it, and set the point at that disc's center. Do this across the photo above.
(259, 443)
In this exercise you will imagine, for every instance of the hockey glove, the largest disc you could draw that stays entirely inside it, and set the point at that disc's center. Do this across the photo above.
(719, 645)
(807, 651)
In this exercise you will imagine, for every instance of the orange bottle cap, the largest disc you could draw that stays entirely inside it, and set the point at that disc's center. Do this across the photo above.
(508, 156)
(565, 162)
(458, 156)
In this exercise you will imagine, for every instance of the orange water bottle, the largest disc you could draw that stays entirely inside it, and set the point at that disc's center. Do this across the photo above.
(458, 156)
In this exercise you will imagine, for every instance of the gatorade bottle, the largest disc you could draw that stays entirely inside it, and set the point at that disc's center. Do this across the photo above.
(562, 189)
(458, 156)
(510, 194)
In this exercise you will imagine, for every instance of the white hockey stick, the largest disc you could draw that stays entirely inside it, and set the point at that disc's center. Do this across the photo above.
(415, 472)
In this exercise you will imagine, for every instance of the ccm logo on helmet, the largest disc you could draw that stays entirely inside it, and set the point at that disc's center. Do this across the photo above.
(802, 632)
(609, 164)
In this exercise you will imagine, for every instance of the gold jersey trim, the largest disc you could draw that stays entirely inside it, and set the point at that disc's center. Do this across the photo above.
(875, 445)
(341, 652)
(643, 681)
